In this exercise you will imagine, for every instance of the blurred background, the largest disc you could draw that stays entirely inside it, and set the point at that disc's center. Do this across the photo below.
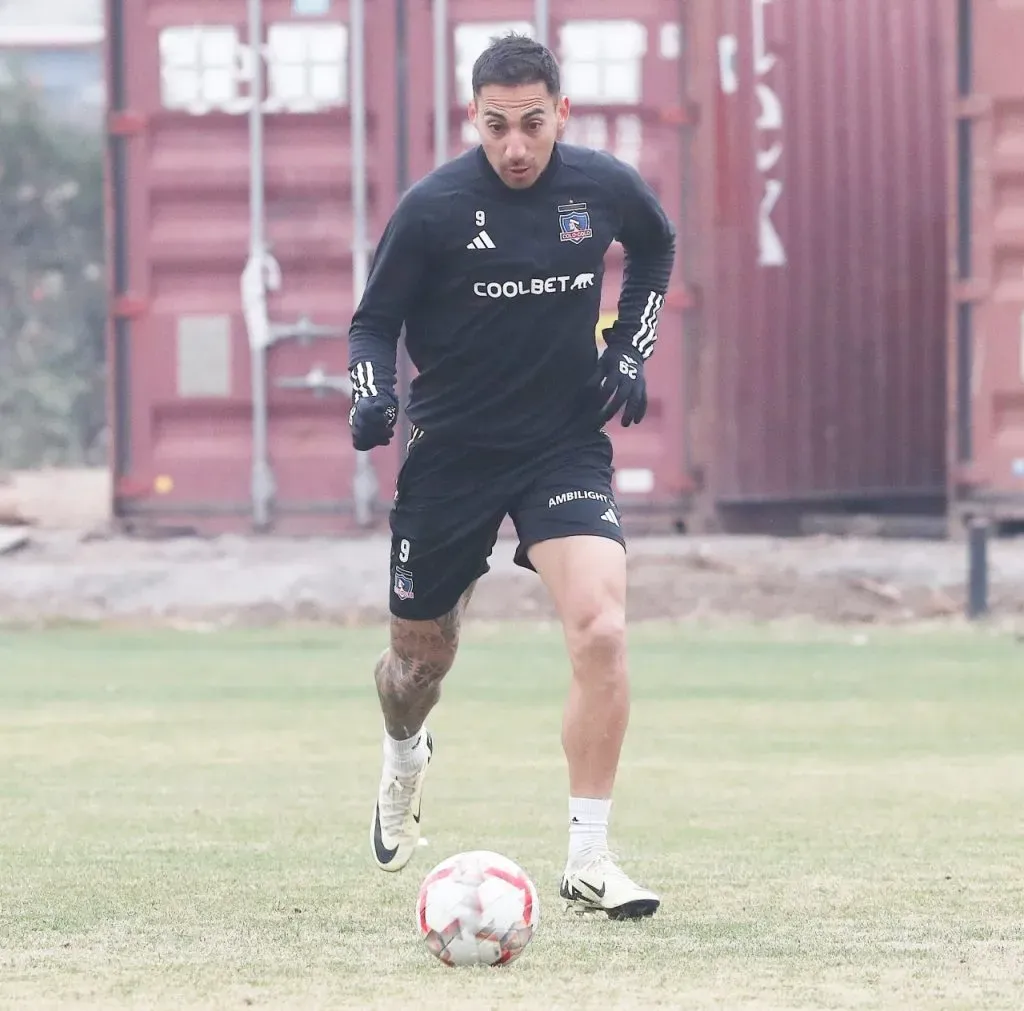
(51, 234)
(190, 194)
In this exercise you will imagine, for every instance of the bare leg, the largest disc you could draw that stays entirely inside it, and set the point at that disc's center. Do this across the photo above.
(586, 577)
(597, 709)
(409, 676)
(409, 673)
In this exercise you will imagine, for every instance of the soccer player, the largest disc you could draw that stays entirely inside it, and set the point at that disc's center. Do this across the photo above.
(494, 262)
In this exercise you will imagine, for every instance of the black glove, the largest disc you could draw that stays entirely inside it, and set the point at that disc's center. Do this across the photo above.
(374, 407)
(621, 378)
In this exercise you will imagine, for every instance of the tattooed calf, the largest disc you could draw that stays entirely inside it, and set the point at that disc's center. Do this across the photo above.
(409, 673)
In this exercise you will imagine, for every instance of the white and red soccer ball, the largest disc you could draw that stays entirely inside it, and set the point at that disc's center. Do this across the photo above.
(477, 908)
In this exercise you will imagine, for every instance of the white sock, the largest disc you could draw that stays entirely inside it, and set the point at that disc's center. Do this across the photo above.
(408, 755)
(588, 827)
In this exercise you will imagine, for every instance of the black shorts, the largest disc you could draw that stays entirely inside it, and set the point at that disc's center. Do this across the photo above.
(450, 502)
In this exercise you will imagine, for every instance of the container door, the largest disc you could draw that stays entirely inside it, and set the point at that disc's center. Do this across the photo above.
(827, 301)
(237, 245)
(622, 70)
(987, 325)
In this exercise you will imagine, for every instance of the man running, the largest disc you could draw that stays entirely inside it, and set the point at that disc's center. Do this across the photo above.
(494, 262)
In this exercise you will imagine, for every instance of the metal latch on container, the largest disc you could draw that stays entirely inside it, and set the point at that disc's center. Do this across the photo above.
(318, 381)
(303, 330)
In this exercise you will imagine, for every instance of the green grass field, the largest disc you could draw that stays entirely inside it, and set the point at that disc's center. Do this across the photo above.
(184, 823)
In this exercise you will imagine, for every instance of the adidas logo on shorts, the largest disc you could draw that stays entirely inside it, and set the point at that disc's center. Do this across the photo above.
(609, 515)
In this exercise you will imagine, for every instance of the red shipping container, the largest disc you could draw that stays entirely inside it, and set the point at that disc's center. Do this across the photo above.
(240, 234)
(986, 215)
(798, 144)
(826, 290)
(232, 261)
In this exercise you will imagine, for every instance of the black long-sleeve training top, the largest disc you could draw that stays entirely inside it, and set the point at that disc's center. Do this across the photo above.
(500, 293)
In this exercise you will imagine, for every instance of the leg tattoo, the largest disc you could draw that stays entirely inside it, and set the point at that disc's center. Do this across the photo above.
(410, 672)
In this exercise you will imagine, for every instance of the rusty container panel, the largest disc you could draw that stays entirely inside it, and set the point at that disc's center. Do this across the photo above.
(986, 216)
(622, 67)
(191, 296)
(825, 277)
(184, 405)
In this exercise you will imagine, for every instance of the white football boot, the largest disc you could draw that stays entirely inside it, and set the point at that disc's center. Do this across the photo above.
(597, 885)
(395, 829)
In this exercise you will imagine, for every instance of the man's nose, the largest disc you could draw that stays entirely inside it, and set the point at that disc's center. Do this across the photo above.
(515, 149)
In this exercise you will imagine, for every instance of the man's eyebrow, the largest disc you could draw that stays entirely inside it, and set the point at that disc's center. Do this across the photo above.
(537, 110)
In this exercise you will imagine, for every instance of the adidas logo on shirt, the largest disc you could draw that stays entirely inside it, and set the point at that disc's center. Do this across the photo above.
(482, 241)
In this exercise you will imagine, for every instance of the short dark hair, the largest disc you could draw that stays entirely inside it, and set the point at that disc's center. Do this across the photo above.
(516, 59)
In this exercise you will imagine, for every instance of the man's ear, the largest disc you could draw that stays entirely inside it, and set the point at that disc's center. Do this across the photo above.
(562, 113)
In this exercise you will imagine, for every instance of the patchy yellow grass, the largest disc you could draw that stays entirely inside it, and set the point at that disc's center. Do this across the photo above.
(184, 824)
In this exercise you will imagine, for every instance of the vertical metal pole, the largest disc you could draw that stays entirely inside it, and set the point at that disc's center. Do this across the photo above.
(402, 173)
(689, 196)
(364, 479)
(442, 110)
(360, 241)
(977, 567)
(254, 281)
(120, 332)
(401, 96)
(542, 20)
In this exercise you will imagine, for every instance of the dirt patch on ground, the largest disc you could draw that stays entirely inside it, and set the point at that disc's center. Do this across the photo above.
(51, 576)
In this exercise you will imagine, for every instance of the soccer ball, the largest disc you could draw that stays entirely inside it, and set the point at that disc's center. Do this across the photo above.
(477, 908)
